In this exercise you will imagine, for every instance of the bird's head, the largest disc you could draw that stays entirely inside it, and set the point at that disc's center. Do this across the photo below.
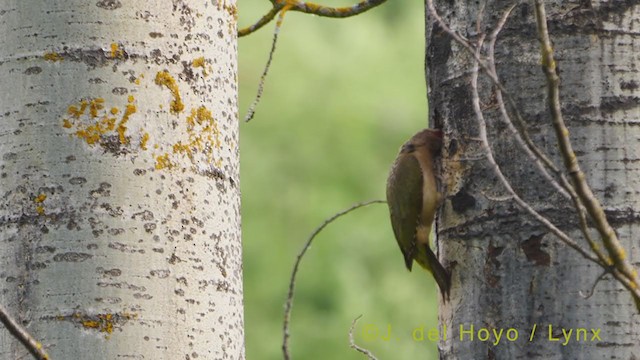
(429, 138)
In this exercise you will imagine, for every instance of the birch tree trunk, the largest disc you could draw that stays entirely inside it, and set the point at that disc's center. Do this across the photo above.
(509, 272)
(120, 211)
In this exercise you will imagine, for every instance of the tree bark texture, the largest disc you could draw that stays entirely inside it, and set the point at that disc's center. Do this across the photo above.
(509, 272)
(120, 210)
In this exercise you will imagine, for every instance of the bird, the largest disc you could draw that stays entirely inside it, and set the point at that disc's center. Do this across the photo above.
(413, 198)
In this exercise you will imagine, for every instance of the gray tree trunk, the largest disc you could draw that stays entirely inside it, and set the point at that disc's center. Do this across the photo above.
(509, 272)
(120, 210)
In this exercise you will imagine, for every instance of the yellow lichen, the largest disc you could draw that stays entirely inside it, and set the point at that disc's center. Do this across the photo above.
(130, 99)
(163, 78)
(52, 56)
(116, 52)
(130, 109)
(622, 254)
(203, 133)
(95, 105)
(40, 210)
(182, 148)
(104, 323)
(93, 324)
(144, 140)
(92, 133)
(200, 62)
(76, 112)
(40, 198)
(163, 162)
(101, 122)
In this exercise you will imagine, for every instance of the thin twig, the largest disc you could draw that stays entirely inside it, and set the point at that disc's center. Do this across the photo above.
(591, 203)
(262, 22)
(20, 333)
(294, 272)
(252, 108)
(311, 8)
(593, 288)
(525, 141)
(520, 123)
(563, 186)
(280, 7)
(482, 129)
(355, 346)
(622, 276)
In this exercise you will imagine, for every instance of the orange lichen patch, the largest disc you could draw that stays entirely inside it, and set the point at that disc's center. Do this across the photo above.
(40, 198)
(77, 110)
(91, 324)
(163, 162)
(182, 148)
(130, 109)
(104, 323)
(93, 133)
(200, 62)
(52, 56)
(116, 52)
(144, 140)
(92, 122)
(204, 135)
(95, 105)
(163, 78)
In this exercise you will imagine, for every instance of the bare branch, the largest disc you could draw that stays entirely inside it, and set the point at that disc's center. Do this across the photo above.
(262, 22)
(294, 272)
(280, 7)
(311, 8)
(482, 125)
(522, 137)
(20, 333)
(593, 288)
(521, 134)
(620, 274)
(355, 346)
(586, 196)
(252, 108)
(520, 123)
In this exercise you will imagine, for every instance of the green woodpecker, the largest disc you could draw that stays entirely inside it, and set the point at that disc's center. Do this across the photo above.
(413, 198)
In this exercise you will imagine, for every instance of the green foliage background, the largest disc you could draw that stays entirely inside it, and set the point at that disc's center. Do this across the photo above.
(341, 98)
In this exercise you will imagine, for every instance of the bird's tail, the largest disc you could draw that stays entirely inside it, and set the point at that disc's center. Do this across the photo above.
(440, 274)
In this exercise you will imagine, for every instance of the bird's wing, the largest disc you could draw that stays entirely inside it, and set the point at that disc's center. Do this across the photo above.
(404, 197)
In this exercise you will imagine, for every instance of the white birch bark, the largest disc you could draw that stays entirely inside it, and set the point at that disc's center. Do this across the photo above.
(120, 210)
(508, 270)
